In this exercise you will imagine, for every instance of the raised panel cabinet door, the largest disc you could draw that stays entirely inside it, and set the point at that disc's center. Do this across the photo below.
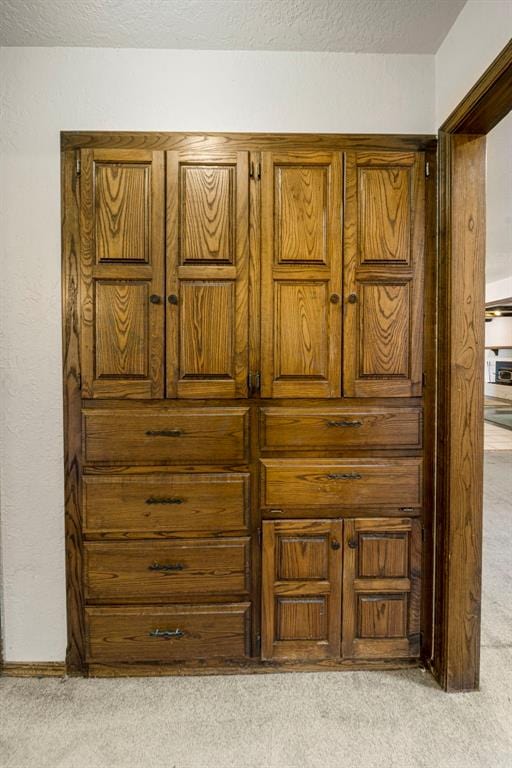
(383, 274)
(381, 588)
(122, 273)
(301, 589)
(207, 274)
(301, 198)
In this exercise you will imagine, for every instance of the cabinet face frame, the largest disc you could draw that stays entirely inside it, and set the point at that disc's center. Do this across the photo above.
(72, 143)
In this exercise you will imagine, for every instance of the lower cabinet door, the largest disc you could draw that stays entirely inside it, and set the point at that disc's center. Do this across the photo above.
(301, 589)
(381, 588)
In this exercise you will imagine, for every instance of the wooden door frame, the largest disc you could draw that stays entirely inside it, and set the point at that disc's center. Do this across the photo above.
(461, 341)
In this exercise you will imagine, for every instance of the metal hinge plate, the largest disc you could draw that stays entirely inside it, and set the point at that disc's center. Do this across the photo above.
(78, 163)
(427, 169)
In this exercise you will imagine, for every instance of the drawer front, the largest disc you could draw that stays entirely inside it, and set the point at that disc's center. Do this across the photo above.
(176, 436)
(332, 428)
(342, 483)
(166, 570)
(170, 633)
(208, 502)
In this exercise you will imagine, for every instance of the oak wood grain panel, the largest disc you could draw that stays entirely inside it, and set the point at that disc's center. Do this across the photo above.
(384, 330)
(207, 334)
(121, 329)
(384, 214)
(209, 632)
(301, 589)
(383, 274)
(383, 555)
(301, 618)
(301, 274)
(381, 588)
(208, 215)
(129, 572)
(75, 651)
(301, 214)
(212, 435)
(177, 503)
(341, 483)
(382, 616)
(123, 212)
(334, 427)
(301, 344)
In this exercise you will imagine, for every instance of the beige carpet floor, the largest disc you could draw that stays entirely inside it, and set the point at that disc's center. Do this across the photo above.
(345, 720)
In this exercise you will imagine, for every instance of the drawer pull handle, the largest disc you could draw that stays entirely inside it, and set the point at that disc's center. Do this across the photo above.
(164, 500)
(344, 476)
(167, 634)
(164, 432)
(344, 423)
(166, 567)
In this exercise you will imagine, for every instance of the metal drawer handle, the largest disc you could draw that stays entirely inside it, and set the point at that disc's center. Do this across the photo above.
(164, 500)
(167, 634)
(164, 432)
(344, 423)
(166, 567)
(345, 476)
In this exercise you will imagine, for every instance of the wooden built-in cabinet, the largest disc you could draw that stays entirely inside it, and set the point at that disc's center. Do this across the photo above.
(247, 483)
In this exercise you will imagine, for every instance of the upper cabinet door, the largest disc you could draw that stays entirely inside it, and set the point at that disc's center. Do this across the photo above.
(207, 274)
(383, 274)
(301, 275)
(122, 273)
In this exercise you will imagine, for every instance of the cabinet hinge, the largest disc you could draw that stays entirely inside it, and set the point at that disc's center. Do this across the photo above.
(424, 379)
(255, 171)
(427, 169)
(259, 535)
(78, 163)
(406, 510)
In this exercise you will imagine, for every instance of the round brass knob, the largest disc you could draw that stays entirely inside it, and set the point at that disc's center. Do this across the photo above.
(334, 298)
(352, 299)
(173, 299)
(154, 299)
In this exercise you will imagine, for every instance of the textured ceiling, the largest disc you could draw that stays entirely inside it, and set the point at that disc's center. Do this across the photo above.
(370, 26)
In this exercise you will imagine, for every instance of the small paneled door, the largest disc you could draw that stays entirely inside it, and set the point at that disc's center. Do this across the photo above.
(383, 274)
(381, 588)
(301, 274)
(122, 273)
(301, 589)
(207, 274)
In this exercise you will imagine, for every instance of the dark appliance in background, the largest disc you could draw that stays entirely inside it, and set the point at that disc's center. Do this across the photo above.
(504, 372)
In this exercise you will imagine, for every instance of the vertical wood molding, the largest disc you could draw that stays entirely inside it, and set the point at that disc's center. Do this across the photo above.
(460, 415)
(72, 406)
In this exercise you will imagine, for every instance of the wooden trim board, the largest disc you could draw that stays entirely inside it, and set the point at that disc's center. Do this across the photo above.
(461, 311)
(34, 669)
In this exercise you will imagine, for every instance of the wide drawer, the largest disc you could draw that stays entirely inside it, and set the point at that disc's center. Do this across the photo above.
(173, 435)
(341, 483)
(332, 428)
(207, 502)
(169, 633)
(144, 571)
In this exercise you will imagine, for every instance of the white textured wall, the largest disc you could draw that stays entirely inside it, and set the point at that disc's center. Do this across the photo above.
(481, 31)
(44, 91)
(499, 202)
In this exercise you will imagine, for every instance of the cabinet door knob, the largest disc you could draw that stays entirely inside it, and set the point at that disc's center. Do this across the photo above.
(352, 543)
(334, 298)
(155, 299)
(335, 544)
(352, 299)
(172, 299)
